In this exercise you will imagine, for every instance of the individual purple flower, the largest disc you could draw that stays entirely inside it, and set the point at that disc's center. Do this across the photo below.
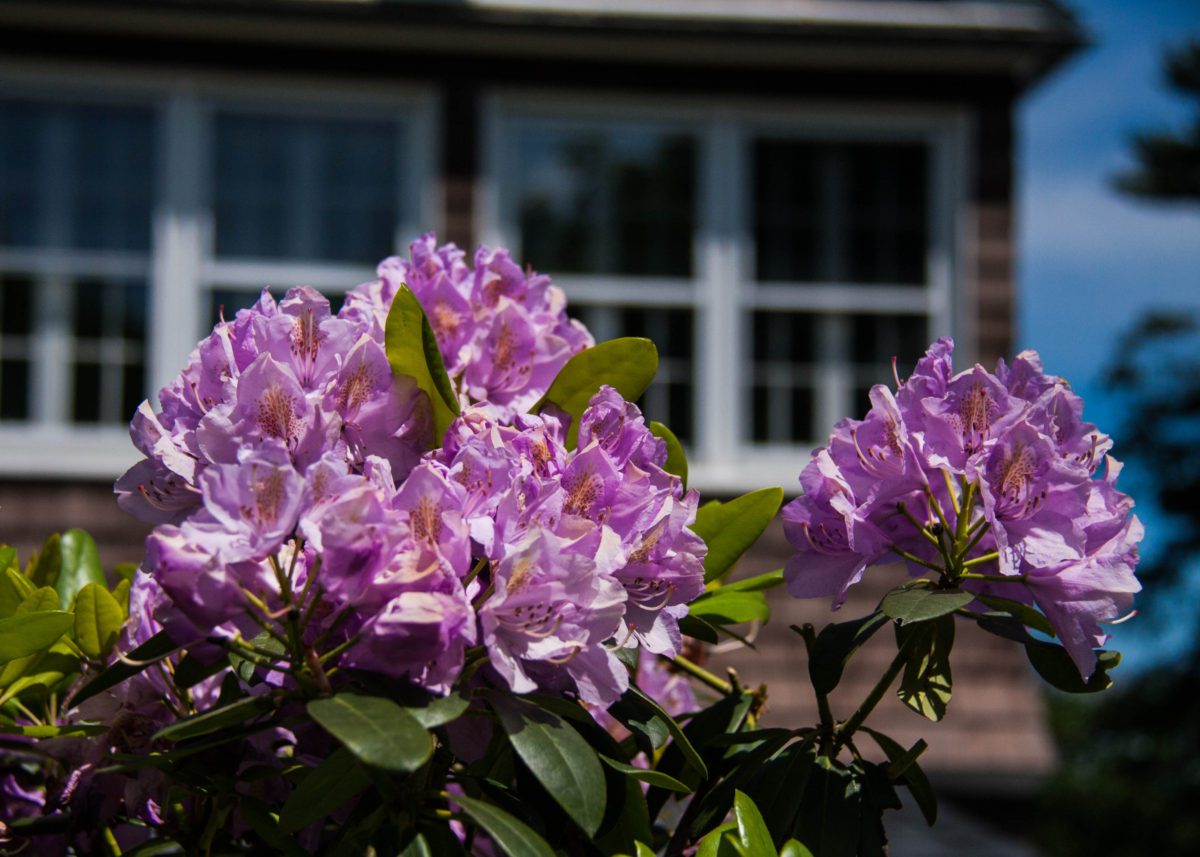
(555, 604)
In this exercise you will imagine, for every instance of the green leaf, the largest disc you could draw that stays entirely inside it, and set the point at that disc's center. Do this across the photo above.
(149, 652)
(654, 778)
(912, 777)
(376, 730)
(70, 730)
(926, 684)
(440, 710)
(98, 620)
(792, 848)
(190, 670)
(696, 627)
(780, 787)
(828, 821)
(39, 601)
(43, 669)
(1056, 667)
(648, 705)
(757, 583)
(921, 605)
(243, 667)
(25, 633)
(45, 564)
(719, 842)
(1022, 612)
(514, 837)
(752, 830)
(14, 588)
(728, 607)
(834, 647)
(676, 458)
(558, 756)
(79, 565)
(729, 529)
(644, 850)
(233, 714)
(326, 788)
(412, 350)
(628, 365)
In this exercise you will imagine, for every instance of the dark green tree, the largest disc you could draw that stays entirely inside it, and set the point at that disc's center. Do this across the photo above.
(1168, 162)
(1130, 778)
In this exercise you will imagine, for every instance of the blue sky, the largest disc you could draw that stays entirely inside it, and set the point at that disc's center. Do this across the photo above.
(1090, 259)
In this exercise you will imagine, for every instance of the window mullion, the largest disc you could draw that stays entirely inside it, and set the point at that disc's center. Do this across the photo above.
(182, 224)
(719, 321)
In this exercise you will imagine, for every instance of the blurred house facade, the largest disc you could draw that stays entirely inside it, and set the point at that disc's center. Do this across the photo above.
(783, 194)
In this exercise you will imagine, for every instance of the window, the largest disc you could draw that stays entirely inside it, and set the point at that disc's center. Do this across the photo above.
(779, 259)
(76, 199)
(128, 220)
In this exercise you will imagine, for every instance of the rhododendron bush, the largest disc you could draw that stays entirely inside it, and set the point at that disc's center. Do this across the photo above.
(423, 579)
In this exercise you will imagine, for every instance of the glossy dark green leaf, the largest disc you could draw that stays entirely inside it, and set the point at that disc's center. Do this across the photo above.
(190, 671)
(752, 830)
(834, 647)
(676, 458)
(376, 730)
(412, 350)
(921, 605)
(779, 788)
(513, 837)
(912, 776)
(696, 627)
(150, 652)
(25, 633)
(627, 819)
(728, 607)
(79, 565)
(729, 529)
(926, 683)
(654, 778)
(98, 620)
(558, 756)
(681, 741)
(628, 365)
(828, 821)
(440, 710)
(1026, 614)
(326, 788)
(234, 714)
(44, 565)
(1056, 667)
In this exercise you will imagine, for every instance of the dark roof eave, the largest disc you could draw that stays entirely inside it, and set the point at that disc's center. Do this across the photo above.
(1024, 54)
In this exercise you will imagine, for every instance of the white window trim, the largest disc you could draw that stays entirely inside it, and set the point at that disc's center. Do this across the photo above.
(180, 266)
(722, 288)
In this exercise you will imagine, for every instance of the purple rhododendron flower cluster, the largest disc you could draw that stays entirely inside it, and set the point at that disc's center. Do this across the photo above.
(987, 477)
(289, 471)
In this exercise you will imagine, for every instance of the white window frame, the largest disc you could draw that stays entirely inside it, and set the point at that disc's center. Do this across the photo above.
(722, 289)
(181, 266)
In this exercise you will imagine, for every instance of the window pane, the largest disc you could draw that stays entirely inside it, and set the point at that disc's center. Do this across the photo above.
(16, 305)
(841, 212)
(109, 344)
(670, 398)
(875, 340)
(306, 188)
(14, 389)
(112, 178)
(783, 377)
(605, 200)
(87, 394)
(76, 176)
